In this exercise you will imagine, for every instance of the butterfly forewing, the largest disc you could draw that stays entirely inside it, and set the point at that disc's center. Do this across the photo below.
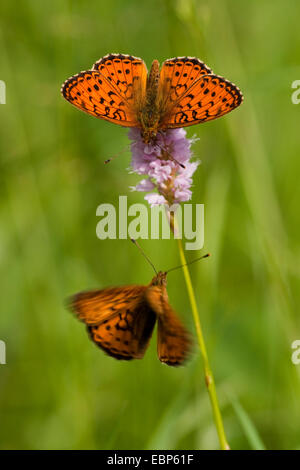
(93, 93)
(176, 76)
(128, 74)
(173, 341)
(92, 307)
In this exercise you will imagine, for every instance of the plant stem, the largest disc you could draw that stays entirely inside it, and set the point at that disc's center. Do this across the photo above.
(209, 378)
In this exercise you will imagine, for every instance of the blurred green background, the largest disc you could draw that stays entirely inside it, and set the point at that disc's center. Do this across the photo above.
(57, 389)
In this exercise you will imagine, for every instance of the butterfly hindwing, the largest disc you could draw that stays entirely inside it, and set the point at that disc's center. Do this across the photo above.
(208, 98)
(127, 335)
(118, 319)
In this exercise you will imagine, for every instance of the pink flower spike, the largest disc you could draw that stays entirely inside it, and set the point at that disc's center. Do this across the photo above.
(161, 163)
(155, 199)
(145, 185)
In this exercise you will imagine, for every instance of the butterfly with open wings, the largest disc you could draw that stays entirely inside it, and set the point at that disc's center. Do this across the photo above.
(184, 92)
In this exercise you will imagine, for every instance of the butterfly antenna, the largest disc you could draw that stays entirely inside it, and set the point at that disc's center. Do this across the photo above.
(170, 157)
(176, 161)
(117, 154)
(144, 254)
(191, 262)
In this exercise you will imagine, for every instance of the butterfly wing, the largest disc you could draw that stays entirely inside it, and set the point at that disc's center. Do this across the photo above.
(176, 77)
(127, 74)
(95, 95)
(118, 319)
(114, 90)
(195, 97)
(127, 335)
(173, 341)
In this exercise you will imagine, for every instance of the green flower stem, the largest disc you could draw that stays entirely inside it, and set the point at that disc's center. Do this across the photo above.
(209, 378)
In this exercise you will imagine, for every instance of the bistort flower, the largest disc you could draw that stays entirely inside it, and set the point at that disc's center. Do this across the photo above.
(166, 165)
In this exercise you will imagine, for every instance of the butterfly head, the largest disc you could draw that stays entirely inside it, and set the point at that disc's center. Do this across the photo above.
(160, 279)
(149, 135)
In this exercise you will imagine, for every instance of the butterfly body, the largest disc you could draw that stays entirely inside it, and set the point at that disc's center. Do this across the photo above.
(120, 320)
(149, 113)
(182, 93)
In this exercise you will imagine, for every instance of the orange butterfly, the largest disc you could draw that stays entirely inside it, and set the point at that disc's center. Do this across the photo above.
(183, 93)
(120, 320)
